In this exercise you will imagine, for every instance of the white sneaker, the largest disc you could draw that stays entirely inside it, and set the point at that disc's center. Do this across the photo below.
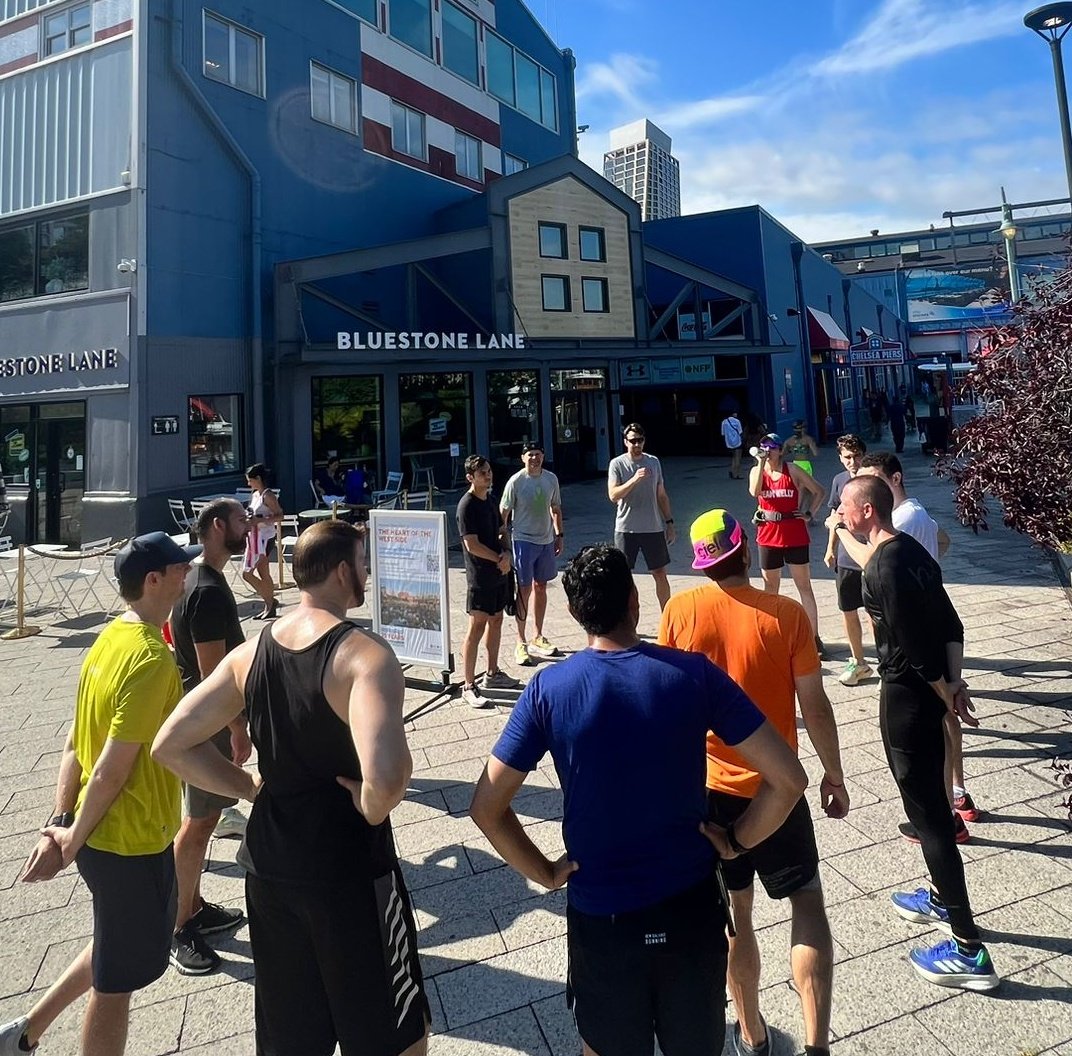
(472, 696)
(10, 1036)
(232, 823)
(855, 672)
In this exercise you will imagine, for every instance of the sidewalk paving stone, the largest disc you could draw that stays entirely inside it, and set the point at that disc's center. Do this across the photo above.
(493, 944)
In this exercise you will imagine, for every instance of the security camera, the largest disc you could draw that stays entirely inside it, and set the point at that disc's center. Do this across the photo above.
(772, 317)
(127, 265)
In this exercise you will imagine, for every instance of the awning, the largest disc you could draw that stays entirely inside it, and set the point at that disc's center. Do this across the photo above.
(824, 334)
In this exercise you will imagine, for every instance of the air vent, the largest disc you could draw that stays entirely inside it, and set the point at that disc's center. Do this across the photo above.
(909, 251)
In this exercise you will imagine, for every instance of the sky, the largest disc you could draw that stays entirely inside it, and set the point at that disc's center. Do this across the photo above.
(837, 116)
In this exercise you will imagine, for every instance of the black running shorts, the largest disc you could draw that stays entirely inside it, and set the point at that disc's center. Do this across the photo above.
(336, 965)
(651, 544)
(850, 589)
(134, 903)
(771, 557)
(659, 972)
(787, 861)
(201, 804)
(488, 600)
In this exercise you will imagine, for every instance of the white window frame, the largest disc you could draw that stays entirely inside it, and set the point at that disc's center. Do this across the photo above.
(333, 76)
(462, 143)
(233, 29)
(65, 14)
(512, 163)
(423, 156)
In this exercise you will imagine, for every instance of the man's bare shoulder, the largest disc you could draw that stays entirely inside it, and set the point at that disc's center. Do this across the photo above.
(364, 651)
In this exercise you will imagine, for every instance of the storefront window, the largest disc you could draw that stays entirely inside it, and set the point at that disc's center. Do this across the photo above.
(437, 411)
(513, 413)
(215, 433)
(51, 256)
(348, 423)
(16, 263)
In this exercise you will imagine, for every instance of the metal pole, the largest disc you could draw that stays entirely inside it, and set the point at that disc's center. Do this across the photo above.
(1062, 106)
(1014, 277)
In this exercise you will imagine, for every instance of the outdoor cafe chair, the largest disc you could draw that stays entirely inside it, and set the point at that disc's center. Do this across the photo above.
(394, 487)
(89, 572)
(183, 521)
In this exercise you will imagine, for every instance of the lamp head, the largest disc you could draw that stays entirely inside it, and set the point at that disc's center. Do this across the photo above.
(1050, 19)
(1007, 229)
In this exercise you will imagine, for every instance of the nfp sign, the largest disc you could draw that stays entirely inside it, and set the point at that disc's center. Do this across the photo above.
(876, 352)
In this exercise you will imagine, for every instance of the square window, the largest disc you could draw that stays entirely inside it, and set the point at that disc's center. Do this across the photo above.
(556, 293)
(553, 240)
(512, 164)
(500, 57)
(467, 156)
(594, 295)
(233, 55)
(411, 23)
(67, 29)
(593, 244)
(214, 428)
(460, 52)
(333, 98)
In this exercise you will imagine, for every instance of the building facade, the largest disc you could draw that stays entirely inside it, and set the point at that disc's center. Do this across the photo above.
(639, 163)
(161, 157)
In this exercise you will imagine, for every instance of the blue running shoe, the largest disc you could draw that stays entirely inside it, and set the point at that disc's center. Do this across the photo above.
(917, 907)
(945, 965)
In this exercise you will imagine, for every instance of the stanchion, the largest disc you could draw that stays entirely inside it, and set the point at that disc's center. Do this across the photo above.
(21, 628)
(334, 509)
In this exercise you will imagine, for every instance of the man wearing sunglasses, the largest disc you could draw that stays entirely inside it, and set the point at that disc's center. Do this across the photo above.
(644, 523)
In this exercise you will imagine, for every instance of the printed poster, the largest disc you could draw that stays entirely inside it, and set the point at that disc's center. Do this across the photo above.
(410, 605)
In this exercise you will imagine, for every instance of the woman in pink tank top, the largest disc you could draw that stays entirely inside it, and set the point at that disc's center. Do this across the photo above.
(788, 498)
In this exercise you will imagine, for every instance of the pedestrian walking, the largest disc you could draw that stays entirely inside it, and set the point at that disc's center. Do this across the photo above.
(920, 641)
(910, 517)
(896, 418)
(204, 627)
(733, 438)
(850, 597)
(645, 924)
(330, 923)
(489, 588)
(264, 511)
(764, 643)
(788, 498)
(531, 507)
(643, 522)
(116, 810)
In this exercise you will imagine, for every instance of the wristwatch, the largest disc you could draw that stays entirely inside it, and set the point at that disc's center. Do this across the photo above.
(61, 821)
(731, 838)
(669, 520)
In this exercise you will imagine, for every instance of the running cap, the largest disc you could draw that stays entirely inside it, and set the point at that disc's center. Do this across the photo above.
(531, 445)
(772, 441)
(714, 535)
(151, 553)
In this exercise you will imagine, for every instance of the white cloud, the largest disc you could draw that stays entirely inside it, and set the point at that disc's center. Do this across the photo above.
(681, 116)
(619, 79)
(903, 30)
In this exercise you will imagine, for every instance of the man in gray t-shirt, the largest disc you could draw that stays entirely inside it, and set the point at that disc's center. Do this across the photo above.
(531, 505)
(643, 521)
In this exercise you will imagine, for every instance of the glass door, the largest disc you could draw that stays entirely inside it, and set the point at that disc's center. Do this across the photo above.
(60, 472)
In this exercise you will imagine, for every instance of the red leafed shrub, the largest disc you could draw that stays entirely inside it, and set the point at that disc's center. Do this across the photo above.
(1018, 451)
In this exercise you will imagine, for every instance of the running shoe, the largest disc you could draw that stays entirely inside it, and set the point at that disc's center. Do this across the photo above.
(521, 655)
(947, 965)
(908, 830)
(190, 954)
(11, 1035)
(472, 696)
(856, 671)
(542, 645)
(211, 918)
(965, 807)
(501, 680)
(232, 823)
(918, 907)
(742, 1048)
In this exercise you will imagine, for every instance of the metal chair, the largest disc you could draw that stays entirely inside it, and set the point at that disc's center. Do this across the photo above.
(391, 502)
(183, 521)
(90, 573)
(286, 540)
(196, 506)
(243, 495)
(394, 487)
(415, 500)
(8, 572)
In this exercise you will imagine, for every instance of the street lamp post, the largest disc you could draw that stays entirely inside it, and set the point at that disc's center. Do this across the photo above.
(1008, 231)
(1052, 22)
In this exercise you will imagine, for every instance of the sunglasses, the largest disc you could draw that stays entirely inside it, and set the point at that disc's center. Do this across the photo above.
(634, 439)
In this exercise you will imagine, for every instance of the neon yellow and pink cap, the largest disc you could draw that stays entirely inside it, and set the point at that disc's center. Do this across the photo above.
(715, 535)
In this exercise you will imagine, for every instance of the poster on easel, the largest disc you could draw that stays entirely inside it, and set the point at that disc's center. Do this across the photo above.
(410, 601)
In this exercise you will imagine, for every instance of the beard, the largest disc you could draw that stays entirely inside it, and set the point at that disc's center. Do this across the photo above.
(235, 544)
(355, 587)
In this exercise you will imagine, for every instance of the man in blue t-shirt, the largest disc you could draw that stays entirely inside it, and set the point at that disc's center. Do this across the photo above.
(626, 724)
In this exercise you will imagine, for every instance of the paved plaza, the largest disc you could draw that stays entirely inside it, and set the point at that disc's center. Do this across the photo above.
(493, 945)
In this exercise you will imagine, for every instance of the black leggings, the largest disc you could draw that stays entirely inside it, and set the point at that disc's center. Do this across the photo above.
(911, 722)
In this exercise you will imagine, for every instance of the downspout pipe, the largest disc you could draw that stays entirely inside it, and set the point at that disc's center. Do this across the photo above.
(231, 144)
(797, 250)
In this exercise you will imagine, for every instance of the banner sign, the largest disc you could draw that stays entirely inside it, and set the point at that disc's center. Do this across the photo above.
(410, 604)
(876, 352)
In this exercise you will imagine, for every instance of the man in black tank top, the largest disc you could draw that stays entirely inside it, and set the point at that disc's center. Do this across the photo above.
(331, 927)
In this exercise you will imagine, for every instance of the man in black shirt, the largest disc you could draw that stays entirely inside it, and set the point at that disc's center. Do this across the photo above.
(487, 568)
(920, 642)
(204, 628)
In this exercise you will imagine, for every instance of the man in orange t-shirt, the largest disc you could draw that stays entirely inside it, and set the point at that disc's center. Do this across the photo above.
(765, 643)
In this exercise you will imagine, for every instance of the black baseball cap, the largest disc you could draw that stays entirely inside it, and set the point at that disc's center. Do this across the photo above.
(531, 445)
(151, 553)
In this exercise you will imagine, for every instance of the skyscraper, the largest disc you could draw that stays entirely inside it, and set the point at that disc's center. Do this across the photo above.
(639, 163)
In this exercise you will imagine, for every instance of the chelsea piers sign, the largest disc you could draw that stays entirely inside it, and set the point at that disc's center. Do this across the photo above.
(390, 341)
